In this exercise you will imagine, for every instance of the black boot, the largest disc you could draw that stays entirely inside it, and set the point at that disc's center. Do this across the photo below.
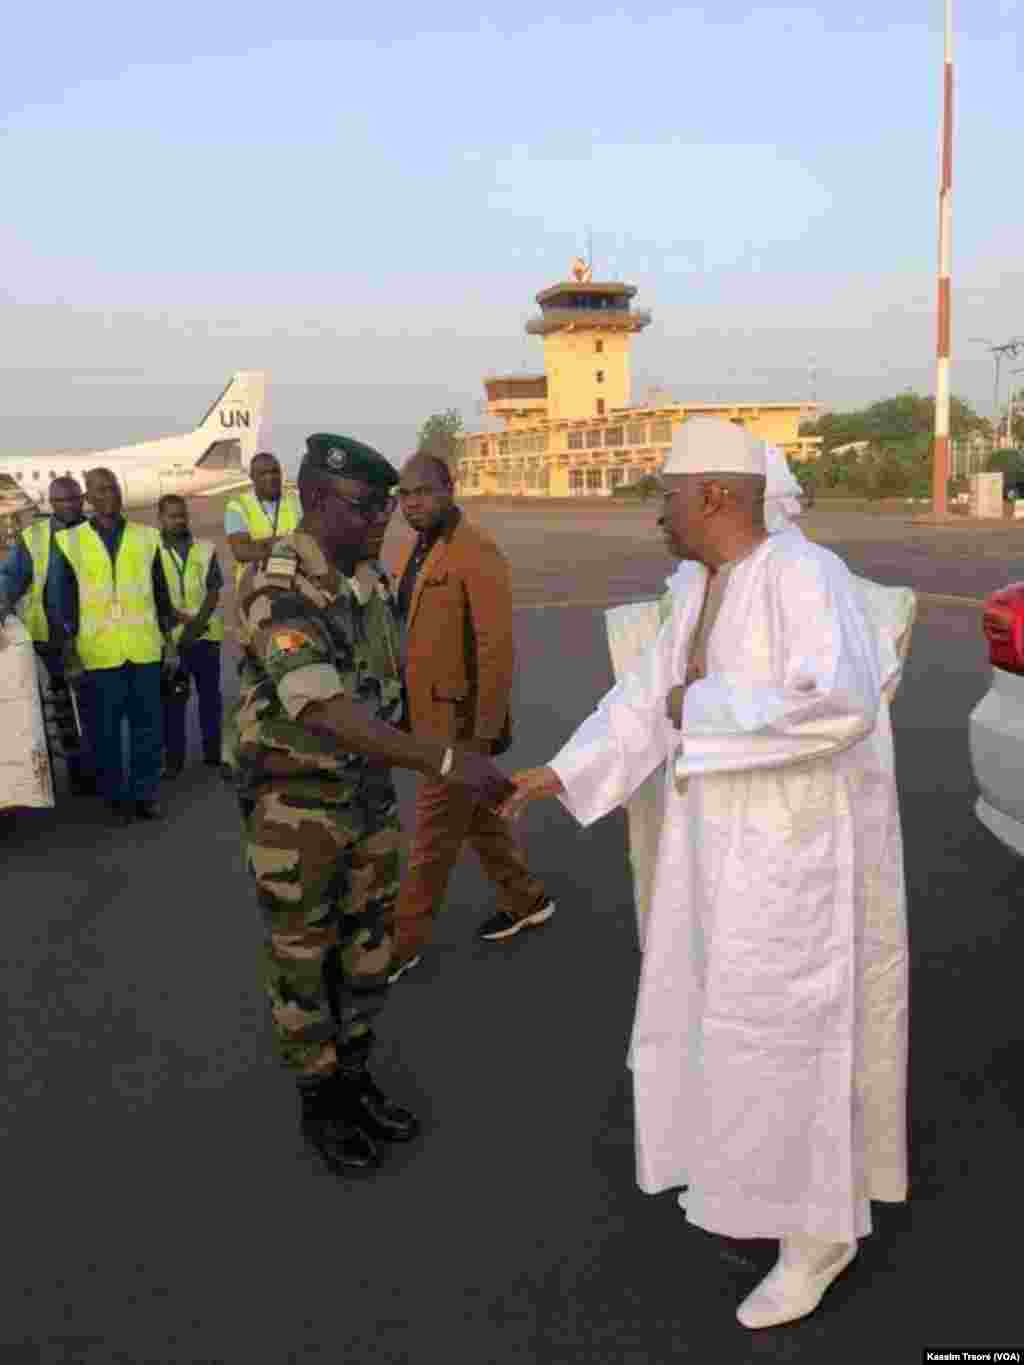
(368, 1106)
(344, 1144)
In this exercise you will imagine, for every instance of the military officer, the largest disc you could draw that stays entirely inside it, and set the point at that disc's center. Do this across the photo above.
(313, 740)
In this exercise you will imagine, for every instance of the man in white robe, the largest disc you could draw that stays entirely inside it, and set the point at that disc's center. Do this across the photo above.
(769, 1046)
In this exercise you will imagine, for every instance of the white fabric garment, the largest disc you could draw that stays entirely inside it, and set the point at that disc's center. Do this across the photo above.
(782, 497)
(769, 1046)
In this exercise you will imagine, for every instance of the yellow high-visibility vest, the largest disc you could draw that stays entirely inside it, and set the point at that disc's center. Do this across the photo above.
(117, 620)
(186, 584)
(259, 525)
(31, 607)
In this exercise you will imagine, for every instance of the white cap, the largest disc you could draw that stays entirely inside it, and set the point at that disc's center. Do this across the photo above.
(710, 445)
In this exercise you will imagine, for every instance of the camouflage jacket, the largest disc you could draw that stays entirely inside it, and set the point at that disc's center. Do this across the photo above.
(309, 634)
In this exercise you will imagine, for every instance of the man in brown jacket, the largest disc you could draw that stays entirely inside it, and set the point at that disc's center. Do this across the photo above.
(455, 601)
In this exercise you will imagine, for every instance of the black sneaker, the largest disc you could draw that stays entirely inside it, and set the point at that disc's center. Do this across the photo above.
(503, 925)
(400, 969)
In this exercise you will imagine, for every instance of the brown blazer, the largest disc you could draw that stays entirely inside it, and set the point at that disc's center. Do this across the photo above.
(459, 655)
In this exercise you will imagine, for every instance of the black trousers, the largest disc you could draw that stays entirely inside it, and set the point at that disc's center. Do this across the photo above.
(201, 662)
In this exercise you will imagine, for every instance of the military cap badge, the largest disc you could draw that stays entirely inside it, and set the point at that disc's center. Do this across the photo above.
(346, 457)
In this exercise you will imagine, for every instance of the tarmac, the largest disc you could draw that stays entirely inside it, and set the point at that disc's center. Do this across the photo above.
(161, 1207)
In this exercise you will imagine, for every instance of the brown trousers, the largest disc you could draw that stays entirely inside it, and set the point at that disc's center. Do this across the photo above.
(447, 815)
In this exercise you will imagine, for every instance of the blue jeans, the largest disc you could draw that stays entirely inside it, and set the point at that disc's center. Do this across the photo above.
(201, 662)
(132, 693)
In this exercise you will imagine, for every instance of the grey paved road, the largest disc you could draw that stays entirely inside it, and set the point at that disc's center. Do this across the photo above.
(160, 1206)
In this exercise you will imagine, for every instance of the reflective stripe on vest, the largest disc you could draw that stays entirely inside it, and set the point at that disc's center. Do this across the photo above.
(259, 525)
(117, 621)
(31, 608)
(188, 589)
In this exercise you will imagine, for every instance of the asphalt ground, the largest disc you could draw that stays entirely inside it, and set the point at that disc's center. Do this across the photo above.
(161, 1207)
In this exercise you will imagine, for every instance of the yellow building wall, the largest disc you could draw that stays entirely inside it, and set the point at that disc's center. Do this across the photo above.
(572, 363)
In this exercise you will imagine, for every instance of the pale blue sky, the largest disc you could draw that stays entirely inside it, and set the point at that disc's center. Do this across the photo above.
(364, 205)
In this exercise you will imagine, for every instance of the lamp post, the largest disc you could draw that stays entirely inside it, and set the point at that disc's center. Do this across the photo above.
(1009, 413)
(1013, 348)
(997, 356)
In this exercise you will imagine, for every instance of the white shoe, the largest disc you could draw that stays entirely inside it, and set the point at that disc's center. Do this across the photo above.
(793, 1288)
(682, 1198)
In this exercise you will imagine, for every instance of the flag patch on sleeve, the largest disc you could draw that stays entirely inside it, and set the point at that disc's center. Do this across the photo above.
(289, 640)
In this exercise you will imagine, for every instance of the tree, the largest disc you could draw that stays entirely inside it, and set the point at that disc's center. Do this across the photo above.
(1009, 463)
(439, 435)
(906, 417)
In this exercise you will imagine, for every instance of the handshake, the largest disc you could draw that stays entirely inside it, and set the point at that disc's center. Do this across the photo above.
(506, 795)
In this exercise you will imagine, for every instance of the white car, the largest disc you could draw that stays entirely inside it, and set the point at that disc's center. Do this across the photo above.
(996, 726)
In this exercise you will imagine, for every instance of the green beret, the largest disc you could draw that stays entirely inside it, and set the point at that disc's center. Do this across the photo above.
(348, 459)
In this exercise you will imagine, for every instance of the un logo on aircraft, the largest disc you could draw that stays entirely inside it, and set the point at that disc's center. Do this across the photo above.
(237, 417)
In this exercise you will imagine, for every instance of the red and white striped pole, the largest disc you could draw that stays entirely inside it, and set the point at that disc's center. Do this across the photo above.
(940, 455)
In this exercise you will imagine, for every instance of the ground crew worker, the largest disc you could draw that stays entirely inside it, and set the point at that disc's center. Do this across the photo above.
(254, 520)
(26, 586)
(194, 581)
(111, 602)
(313, 740)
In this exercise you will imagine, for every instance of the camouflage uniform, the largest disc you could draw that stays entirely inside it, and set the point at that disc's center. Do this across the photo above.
(321, 826)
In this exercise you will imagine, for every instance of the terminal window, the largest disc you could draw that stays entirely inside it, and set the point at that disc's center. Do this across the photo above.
(637, 435)
(613, 436)
(575, 480)
(595, 479)
(593, 439)
(661, 430)
(575, 441)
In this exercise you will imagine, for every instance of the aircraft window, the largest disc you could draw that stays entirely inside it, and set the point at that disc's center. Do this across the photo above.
(222, 455)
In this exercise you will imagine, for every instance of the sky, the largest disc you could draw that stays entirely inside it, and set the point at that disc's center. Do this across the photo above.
(365, 205)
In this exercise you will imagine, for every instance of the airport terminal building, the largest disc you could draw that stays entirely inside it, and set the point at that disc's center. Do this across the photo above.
(573, 431)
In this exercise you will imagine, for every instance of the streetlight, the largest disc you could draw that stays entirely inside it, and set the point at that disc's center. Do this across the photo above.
(1009, 413)
(1012, 348)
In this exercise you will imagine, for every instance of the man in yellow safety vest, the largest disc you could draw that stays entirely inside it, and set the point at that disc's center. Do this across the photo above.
(26, 588)
(111, 602)
(194, 580)
(253, 521)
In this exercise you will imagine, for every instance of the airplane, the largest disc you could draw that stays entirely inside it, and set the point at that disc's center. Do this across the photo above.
(213, 458)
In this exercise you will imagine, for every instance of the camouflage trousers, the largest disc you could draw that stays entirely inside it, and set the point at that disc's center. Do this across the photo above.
(327, 880)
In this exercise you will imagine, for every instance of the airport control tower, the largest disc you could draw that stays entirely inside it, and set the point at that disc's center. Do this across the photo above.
(586, 327)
